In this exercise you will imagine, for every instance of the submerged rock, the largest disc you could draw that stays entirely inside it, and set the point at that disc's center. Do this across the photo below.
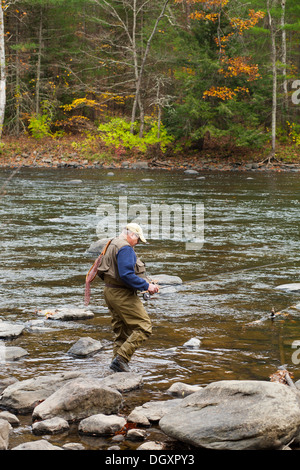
(13, 353)
(236, 415)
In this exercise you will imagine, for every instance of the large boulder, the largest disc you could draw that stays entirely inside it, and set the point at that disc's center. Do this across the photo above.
(22, 396)
(236, 415)
(79, 399)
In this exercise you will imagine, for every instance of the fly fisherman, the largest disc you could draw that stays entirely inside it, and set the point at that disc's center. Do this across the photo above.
(124, 274)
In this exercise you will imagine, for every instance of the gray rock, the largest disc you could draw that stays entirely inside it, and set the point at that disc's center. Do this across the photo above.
(79, 399)
(11, 418)
(6, 382)
(101, 424)
(165, 279)
(50, 426)
(10, 330)
(192, 343)
(73, 446)
(138, 417)
(136, 435)
(37, 445)
(95, 248)
(37, 326)
(236, 415)
(155, 410)
(294, 287)
(191, 172)
(140, 165)
(13, 353)
(151, 445)
(123, 381)
(66, 313)
(85, 347)
(22, 396)
(5, 428)
(180, 389)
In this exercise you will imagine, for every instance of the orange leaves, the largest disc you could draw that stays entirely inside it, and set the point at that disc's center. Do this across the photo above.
(224, 93)
(241, 25)
(237, 66)
(234, 67)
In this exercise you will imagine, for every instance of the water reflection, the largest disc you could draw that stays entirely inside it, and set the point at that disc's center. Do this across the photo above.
(47, 224)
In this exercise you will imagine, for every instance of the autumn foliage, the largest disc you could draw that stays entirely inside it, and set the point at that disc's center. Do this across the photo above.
(230, 67)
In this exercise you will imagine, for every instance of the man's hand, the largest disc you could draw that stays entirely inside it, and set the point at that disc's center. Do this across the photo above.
(153, 288)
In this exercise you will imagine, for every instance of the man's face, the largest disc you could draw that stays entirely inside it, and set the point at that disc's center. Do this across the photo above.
(132, 238)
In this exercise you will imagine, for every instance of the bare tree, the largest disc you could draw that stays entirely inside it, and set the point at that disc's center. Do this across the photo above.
(128, 18)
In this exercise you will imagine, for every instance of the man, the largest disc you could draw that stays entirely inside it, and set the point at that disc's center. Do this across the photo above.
(124, 274)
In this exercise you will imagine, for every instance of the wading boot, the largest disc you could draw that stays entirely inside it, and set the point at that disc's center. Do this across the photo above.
(119, 365)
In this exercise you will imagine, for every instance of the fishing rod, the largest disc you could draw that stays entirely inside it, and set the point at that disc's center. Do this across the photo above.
(147, 295)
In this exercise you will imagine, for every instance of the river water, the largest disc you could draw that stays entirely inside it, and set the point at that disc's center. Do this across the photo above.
(251, 221)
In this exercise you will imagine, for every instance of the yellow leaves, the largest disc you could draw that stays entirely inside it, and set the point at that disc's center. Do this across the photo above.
(224, 93)
(79, 102)
(200, 15)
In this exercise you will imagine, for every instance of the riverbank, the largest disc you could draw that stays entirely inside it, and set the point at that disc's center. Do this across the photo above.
(71, 152)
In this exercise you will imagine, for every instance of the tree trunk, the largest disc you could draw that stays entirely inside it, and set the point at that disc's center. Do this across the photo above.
(283, 59)
(2, 72)
(274, 75)
(38, 69)
(140, 70)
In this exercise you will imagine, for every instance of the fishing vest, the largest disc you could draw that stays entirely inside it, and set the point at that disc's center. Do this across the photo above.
(108, 269)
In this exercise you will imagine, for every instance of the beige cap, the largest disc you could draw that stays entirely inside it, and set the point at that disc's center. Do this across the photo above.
(137, 229)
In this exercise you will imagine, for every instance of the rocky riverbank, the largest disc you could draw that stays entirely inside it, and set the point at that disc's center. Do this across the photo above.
(224, 415)
(190, 166)
(70, 152)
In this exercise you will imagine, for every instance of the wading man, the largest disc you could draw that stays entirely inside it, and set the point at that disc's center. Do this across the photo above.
(124, 275)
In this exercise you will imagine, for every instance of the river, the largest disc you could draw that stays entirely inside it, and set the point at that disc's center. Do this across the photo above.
(48, 219)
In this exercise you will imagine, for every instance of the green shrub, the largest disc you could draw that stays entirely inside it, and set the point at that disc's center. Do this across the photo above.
(117, 132)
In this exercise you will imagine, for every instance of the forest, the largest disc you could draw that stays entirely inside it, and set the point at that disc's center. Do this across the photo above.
(152, 77)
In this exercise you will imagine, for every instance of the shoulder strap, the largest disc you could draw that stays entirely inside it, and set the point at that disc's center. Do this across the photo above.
(92, 274)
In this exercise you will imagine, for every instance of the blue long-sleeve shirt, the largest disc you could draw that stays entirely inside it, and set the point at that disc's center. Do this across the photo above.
(126, 259)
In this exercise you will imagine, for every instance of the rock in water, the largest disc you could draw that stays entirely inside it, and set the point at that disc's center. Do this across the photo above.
(66, 313)
(85, 347)
(236, 415)
(295, 287)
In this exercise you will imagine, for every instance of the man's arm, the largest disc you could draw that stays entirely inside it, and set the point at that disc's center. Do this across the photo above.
(126, 262)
